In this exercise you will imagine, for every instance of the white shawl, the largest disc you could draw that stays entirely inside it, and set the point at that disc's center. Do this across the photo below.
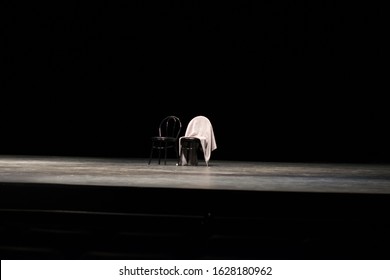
(200, 127)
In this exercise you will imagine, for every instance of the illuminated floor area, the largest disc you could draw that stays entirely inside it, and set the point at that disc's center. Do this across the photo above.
(219, 175)
(105, 208)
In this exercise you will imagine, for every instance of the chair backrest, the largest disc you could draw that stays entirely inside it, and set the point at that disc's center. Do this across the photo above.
(170, 126)
(201, 127)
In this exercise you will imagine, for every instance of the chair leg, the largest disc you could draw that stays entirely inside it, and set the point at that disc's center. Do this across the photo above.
(151, 155)
(165, 154)
(182, 154)
(159, 156)
(178, 156)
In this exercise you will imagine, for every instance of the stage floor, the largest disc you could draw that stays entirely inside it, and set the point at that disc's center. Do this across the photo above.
(219, 175)
(108, 208)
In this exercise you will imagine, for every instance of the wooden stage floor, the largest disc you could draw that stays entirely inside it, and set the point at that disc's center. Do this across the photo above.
(220, 175)
(120, 208)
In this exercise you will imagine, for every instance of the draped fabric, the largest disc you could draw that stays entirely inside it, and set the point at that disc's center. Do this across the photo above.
(200, 127)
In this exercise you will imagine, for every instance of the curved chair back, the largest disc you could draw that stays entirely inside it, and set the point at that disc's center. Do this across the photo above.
(167, 138)
(170, 126)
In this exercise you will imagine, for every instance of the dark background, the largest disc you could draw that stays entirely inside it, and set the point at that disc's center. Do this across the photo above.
(279, 80)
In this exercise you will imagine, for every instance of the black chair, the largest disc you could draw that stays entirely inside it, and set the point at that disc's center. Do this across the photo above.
(168, 135)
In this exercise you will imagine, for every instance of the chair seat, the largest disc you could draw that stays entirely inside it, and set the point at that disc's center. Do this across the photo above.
(189, 139)
(165, 139)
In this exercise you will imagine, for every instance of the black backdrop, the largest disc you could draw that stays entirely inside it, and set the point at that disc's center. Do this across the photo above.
(280, 80)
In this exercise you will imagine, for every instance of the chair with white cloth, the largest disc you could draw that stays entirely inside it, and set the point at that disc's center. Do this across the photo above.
(199, 137)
